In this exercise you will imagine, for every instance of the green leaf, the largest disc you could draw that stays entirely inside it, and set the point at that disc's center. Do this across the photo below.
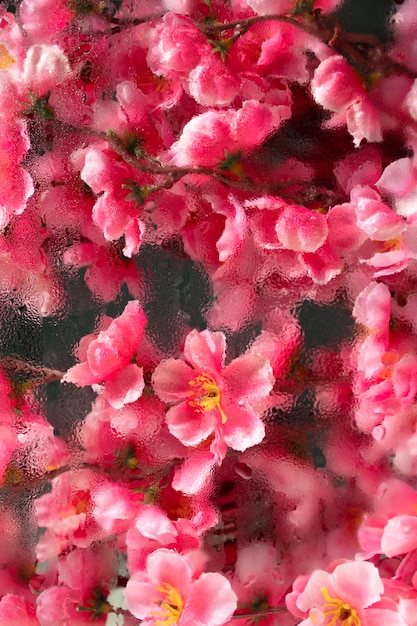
(222, 46)
(137, 193)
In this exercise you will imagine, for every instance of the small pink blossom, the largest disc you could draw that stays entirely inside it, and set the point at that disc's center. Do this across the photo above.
(107, 357)
(301, 230)
(337, 87)
(211, 399)
(391, 527)
(207, 138)
(211, 83)
(170, 42)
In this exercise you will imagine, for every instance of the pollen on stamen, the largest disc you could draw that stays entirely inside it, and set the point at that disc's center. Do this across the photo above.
(339, 611)
(171, 606)
(6, 59)
(205, 395)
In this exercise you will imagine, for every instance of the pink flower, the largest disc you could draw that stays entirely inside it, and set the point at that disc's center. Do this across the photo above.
(211, 83)
(16, 182)
(301, 230)
(206, 138)
(337, 87)
(211, 399)
(170, 42)
(391, 528)
(344, 596)
(169, 593)
(108, 356)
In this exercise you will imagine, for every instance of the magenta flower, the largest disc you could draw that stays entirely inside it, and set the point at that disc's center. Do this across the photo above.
(170, 593)
(213, 400)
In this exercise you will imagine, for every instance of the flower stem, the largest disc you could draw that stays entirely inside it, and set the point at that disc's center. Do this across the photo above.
(260, 613)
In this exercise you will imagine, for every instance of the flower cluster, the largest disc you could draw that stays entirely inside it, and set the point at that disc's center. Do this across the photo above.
(232, 186)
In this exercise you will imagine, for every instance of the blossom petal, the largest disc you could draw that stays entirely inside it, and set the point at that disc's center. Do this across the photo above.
(171, 380)
(243, 428)
(211, 600)
(400, 535)
(249, 377)
(190, 426)
(206, 349)
(312, 595)
(138, 595)
(125, 386)
(382, 617)
(166, 566)
(358, 583)
(194, 472)
(151, 522)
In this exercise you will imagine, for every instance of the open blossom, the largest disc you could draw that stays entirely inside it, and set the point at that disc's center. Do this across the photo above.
(170, 593)
(211, 400)
(344, 596)
(107, 357)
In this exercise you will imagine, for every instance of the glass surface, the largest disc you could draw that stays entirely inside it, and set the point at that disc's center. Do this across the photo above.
(207, 304)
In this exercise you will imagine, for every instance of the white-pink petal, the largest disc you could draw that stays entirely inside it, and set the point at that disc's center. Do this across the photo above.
(358, 583)
(205, 349)
(125, 386)
(211, 600)
(400, 535)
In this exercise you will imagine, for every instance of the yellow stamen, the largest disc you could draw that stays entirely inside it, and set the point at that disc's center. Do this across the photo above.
(205, 395)
(170, 607)
(388, 245)
(78, 504)
(341, 612)
(6, 59)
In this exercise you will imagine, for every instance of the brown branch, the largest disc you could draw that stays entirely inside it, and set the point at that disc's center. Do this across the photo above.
(250, 21)
(36, 373)
(124, 24)
(259, 614)
(363, 51)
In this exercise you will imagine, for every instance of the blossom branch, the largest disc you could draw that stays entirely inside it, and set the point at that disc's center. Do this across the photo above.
(259, 613)
(363, 51)
(36, 373)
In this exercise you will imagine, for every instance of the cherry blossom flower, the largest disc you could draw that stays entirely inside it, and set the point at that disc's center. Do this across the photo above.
(107, 357)
(170, 592)
(348, 593)
(211, 399)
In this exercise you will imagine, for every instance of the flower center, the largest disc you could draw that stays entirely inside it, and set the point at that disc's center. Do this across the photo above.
(205, 395)
(170, 607)
(339, 611)
(388, 245)
(79, 503)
